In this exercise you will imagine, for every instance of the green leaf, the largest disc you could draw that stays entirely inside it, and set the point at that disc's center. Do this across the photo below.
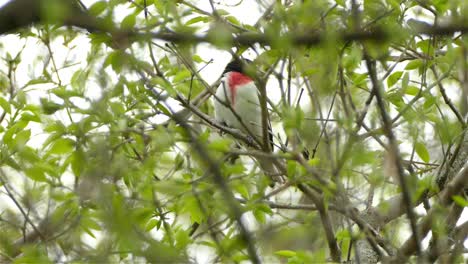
(40, 80)
(460, 200)
(251, 28)
(222, 12)
(63, 92)
(128, 22)
(182, 75)
(29, 154)
(22, 138)
(158, 81)
(240, 258)
(192, 207)
(426, 46)
(33, 254)
(395, 98)
(90, 223)
(36, 174)
(393, 78)
(152, 223)
(78, 162)
(62, 146)
(50, 168)
(56, 126)
(221, 144)
(61, 196)
(291, 169)
(411, 90)
(352, 59)
(116, 59)
(117, 108)
(182, 239)
(237, 168)
(196, 58)
(359, 78)
(343, 234)
(293, 118)
(233, 20)
(314, 162)
(341, 3)
(49, 107)
(5, 104)
(430, 101)
(30, 117)
(97, 8)
(414, 64)
(241, 188)
(422, 152)
(220, 35)
(286, 253)
(260, 216)
(55, 11)
(8, 136)
(78, 80)
(13, 164)
(268, 57)
(88, 231)
(197, 19)
(21, 98)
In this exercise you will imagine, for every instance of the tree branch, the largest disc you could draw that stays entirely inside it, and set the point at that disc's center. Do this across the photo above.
(393, 147)
(445, 199)
(21, 13)
(335, 251)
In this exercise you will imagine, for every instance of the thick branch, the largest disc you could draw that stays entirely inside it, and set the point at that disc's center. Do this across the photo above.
(21, 13)
(453, 188)
(393, 145)
(335, 251)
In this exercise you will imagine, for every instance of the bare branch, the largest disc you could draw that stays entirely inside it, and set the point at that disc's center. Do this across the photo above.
(393, 148)
(335, 251)
(454, 187)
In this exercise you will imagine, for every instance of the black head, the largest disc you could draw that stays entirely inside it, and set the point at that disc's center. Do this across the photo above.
(236, 66)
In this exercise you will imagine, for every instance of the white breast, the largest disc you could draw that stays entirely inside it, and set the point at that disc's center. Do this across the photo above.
(247, 107)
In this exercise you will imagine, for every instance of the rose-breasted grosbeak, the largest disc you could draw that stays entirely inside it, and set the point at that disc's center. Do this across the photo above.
(238, 93)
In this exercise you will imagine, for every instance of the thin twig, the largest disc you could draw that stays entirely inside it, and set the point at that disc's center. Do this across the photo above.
(447, 100)
(18, 205)
(393, 148)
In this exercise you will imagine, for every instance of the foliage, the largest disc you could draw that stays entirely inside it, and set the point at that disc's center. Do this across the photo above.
(108, 153)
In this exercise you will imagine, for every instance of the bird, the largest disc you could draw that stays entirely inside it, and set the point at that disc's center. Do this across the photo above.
(237, 105)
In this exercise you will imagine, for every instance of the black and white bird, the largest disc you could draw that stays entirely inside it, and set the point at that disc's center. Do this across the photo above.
(237, 105)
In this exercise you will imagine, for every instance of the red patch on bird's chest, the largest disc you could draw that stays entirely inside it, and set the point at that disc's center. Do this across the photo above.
(236, 79)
